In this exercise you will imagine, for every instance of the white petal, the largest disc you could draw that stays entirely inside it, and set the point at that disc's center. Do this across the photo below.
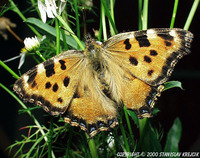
(11, 59)
(42, 8)
(51, 8)
(22, 59)
(62, 6)
(31, 43)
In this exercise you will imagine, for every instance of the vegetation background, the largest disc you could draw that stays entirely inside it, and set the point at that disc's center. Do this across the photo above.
(173, 103)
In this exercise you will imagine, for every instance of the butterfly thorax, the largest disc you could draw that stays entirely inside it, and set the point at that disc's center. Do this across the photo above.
(93, 52)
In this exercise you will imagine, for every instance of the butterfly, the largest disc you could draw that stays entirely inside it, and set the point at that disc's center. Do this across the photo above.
(88, 88)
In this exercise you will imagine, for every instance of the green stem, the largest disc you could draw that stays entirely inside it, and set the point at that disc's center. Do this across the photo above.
(142, 127)
(92, 146)
(40, 55)
(129, 125)
(34, 146)
(70, 31)
(124, 135)
(103, 19)
(50, 138)
(77, 19)
(57, 37)
(15, 9)
(174, 13)
(64, 39)
(191, 14)
(100, 24)
(143, 122)
(112, 31)
(69, 141)
(9, 69)
(145, 15)
(109, 16)
(139, 14)
(28, 111)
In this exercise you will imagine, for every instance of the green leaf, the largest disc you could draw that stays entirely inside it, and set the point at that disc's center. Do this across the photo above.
(134, 117)
(51, 30)
(155, 111)
(173, 137)
(172, 84)
(150, 141)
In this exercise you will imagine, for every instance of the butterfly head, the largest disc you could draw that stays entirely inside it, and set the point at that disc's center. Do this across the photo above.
(93, 52)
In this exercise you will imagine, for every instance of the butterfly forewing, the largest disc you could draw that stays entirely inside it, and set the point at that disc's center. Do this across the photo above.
(146, 60)
(52, 83)
(149, 55)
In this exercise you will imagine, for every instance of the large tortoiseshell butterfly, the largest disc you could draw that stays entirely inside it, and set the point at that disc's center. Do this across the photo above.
(89, 87)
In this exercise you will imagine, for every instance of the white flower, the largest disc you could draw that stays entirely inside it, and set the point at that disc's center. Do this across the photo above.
(62, 5)
(31, 43)
(110, 141)
(22, 58)
(49, 8)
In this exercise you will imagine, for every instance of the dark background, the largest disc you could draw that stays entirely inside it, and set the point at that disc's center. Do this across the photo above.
(173, 103)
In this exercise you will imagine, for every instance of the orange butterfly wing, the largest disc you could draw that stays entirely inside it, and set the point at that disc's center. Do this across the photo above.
(89, 86)
(148, 59)
(52, 84)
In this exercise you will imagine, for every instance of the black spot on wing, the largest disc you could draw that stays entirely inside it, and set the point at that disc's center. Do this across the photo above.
(83, 123)
(168, 44)
(47, 85)
(62, 63)
(166, 36)
(127, 44)
(66, 81)
(60, 100)
(91, 128)
(153, 52)
(142, 38)
(150, 72)
(133, 60)
(147, 59)
(33, 84)
(32, 77)
(49, 67)
(55, 87)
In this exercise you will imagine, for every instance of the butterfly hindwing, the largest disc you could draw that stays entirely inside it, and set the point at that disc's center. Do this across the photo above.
(139, 96)
(90, 109)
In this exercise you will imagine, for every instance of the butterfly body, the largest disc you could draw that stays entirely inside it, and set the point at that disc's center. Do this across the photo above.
(89, 87)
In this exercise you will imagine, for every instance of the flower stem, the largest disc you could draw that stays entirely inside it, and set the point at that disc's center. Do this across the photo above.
(145, 15)
(70, 31)
(40, 55)
(9, 69)
(92, 146)
(191, 14)
(77, 19)
(50, 138)
(15, 9)
(103, 22)
(174, 13)
(57, 37)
